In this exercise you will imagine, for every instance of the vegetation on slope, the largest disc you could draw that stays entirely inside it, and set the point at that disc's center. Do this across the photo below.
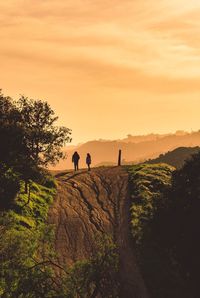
(165, 226)
(97, 276)
(28, 260)
(29, 143)
(150, 185)
(183, 227)
(25, 243)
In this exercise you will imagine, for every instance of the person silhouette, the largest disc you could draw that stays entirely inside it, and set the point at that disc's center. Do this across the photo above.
(75, 160)
(88, 160)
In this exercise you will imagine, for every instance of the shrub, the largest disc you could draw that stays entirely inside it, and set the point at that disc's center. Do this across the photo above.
(9, 186)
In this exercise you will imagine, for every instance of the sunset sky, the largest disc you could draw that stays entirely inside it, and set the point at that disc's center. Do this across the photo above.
(108, 68)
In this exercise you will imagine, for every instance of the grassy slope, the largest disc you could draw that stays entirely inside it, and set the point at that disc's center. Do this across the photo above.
(35, 212)
(20, 230)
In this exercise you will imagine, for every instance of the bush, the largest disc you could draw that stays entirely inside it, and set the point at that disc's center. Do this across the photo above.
(26, 246)
(44, 178)
(23, 268)
(9, 186)
(98, 275)
(149, 184)
(48, 181)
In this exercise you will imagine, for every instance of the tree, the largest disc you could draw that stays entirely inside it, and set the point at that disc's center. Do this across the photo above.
(11, 132)
(25, 269)
(43, 139)
(29, 138)
(11, 149)
(185, 222)
(10, 185)
(97, 276)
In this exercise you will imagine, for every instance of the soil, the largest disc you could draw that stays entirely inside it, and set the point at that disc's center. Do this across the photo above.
(94, 201)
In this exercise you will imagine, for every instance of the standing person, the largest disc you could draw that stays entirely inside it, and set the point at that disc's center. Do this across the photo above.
(88, 160)
(75, 160)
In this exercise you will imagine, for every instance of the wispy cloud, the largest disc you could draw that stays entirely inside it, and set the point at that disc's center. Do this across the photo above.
(140, 46)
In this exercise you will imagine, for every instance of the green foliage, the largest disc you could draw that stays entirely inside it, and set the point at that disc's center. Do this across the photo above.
(23, 273)
(150, 189)
(36, 210)
(46, 179)
(165, 225)
(97, 276)
(29, 138)
(149, 184)
(27, 258)
(10, 185)
(44, 140)
(25, 246)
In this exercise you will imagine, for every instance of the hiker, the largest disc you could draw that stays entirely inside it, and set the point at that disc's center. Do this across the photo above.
(75, 160)
(88, 160)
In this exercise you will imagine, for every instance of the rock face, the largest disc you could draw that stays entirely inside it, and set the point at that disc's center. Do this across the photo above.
(91, 202)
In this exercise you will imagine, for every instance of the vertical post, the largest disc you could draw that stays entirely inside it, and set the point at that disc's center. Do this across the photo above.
(119, 157)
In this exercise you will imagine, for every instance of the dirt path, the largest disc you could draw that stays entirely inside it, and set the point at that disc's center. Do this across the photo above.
(88, 202)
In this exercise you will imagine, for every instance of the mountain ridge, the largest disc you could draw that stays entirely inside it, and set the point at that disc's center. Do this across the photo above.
(142, 149)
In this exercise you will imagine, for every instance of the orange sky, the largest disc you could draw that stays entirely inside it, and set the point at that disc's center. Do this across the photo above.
(108, 68)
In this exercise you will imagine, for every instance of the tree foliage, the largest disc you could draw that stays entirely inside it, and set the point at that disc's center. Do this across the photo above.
(185, 222)
(11, 132)
(168, 246)
(97, 276)
(28, 266)
(24, 271)
(43, 139)
(10, 185)
(30, 140)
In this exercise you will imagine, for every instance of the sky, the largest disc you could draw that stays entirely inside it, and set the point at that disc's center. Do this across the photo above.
(107, 68)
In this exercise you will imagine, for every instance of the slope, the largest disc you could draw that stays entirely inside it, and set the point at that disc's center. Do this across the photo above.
(91, 202)
(132, 151)
(177, 157)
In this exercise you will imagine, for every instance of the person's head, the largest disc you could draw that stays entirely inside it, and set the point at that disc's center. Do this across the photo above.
(88, 154)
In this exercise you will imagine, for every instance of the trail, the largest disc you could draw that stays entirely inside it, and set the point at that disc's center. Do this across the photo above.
(90, 202)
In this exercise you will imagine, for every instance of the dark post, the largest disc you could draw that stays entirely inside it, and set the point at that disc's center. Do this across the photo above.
(119, 157)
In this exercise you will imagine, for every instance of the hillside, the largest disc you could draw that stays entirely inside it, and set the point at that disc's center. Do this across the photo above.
(165, 225)
(177, 157)
(134, 149)
(89, 203)
(22, 232)
(115, 229)
(149, 185)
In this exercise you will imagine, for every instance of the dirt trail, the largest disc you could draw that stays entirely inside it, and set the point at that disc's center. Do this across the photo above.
(88, 202)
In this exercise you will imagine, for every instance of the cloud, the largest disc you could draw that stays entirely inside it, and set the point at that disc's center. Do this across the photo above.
(103, 57)
(138, 45)
(103, 74)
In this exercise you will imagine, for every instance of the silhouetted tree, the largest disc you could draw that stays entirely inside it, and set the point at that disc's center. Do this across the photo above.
(11, 132)
(43, 139)
(29, 138)
(179, 224)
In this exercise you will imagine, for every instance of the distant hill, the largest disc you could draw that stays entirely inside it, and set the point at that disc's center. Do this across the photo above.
(135, 149)
(176, 157)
